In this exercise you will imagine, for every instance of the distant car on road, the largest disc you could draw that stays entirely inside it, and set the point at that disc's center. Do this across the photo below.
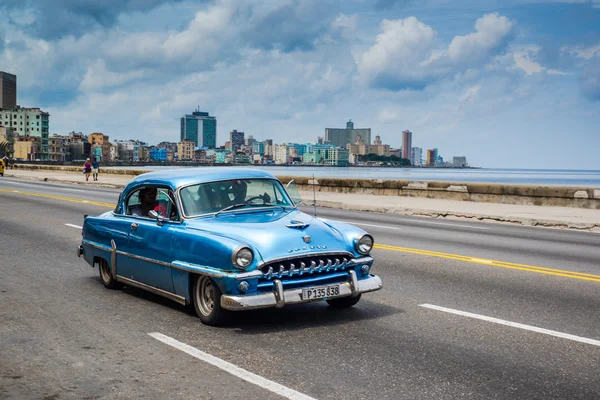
(226, 239)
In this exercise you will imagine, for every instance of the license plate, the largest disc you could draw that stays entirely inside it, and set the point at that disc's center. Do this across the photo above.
(320, 292)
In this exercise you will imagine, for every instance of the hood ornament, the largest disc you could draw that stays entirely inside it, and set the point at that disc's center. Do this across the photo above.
(297, 224)
(307, 239)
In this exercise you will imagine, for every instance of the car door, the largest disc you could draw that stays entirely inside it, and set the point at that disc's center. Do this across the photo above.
(150, 243)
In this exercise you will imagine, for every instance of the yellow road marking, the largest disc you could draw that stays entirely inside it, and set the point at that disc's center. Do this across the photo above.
(63, 198)
(494, 263)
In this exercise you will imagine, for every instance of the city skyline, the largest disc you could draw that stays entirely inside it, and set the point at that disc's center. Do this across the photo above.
(493, 82)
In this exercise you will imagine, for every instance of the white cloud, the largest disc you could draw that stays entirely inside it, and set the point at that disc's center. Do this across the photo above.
(491, 33)
(98, 77)
(557, 72)
(470, 95)
(393, 59)
(407, 55)
(523, 61)
(586, 53)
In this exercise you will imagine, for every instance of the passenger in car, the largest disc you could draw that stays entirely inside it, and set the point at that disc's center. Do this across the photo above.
(147, 198)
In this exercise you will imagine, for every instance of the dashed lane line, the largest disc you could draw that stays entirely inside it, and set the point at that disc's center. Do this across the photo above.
(232, 369)
(514, 324)
(74, 226)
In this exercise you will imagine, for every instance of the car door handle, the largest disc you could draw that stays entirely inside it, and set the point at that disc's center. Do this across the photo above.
(134, 226)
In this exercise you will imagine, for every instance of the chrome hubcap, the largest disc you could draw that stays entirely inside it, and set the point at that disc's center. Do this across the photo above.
(205, 292)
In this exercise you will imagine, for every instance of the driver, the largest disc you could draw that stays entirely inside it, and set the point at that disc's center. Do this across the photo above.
(147, 198)
(239, 189)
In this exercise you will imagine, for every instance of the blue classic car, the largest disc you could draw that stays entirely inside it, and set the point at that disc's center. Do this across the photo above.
(226, 239)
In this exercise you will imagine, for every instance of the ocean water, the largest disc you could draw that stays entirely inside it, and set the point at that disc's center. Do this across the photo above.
(551, 177)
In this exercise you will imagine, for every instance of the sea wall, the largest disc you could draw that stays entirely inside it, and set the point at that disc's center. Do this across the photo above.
(579, 197)
(561, 196)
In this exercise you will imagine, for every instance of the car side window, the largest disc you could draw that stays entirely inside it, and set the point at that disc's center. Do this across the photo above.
(146, 199)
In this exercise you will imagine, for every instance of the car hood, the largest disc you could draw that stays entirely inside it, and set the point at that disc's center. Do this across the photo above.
(271, 235)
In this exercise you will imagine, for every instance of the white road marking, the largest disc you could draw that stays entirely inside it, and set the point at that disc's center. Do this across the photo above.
(74, 226)
(416, 221)
(232, 369)
(514, 324)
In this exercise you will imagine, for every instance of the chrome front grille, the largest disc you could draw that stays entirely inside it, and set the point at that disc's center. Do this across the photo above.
(305, 265)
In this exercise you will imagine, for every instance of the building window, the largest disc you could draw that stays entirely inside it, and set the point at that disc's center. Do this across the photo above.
(37, 117)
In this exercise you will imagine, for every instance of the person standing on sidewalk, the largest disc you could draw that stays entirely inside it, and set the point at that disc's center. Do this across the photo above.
(87, 169)
(95, 166)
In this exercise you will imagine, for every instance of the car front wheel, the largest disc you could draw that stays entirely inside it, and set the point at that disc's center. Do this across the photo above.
(344, 302)
(207, 301)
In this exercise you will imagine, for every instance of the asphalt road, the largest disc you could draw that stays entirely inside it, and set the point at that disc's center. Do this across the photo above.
(63, 335)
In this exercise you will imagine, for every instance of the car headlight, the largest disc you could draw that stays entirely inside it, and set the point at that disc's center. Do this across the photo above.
(242, 257)
(364, 244)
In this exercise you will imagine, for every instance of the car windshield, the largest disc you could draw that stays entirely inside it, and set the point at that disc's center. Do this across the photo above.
(206, 198)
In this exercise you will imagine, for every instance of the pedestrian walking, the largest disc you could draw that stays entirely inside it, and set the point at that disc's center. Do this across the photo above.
(95, 167)
(87, 169)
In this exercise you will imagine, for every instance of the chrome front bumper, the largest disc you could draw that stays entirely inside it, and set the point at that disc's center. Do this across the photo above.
(279, 297)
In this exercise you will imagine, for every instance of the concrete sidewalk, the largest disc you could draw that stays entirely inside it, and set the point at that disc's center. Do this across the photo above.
(554, 217)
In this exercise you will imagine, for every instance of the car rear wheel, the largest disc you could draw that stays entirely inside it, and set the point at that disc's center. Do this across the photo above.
(207, 301)
(344, 302)
(106, 277)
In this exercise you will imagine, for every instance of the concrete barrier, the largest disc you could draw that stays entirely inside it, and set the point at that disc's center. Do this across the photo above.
(561, 196)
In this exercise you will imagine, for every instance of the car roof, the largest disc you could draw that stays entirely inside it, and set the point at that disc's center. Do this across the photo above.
(175, 178)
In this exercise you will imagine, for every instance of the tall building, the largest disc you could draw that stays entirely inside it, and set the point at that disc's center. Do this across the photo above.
(236, 140)
(406, 144)
(459, 162)
(8, 90)
(432, 157)
(249, 142)
(342, 137)
(185, 150)
(200, 128)
(28, 122)
(416, 156)
(99, 139)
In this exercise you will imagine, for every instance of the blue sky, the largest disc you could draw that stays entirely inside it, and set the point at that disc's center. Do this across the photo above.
(512, 83)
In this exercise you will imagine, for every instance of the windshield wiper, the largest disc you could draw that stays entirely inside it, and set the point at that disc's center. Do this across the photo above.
(239, 205)
(231, 207)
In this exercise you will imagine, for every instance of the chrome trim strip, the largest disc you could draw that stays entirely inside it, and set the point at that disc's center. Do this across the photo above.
(363, 260)
(172, 296)
(247, 275)
(303, 255)
(113, 258)
(293, 296)
(96, 245)
(151, 260)
(197, 269)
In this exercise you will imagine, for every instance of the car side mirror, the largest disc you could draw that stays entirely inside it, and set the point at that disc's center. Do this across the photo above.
(156, 215)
